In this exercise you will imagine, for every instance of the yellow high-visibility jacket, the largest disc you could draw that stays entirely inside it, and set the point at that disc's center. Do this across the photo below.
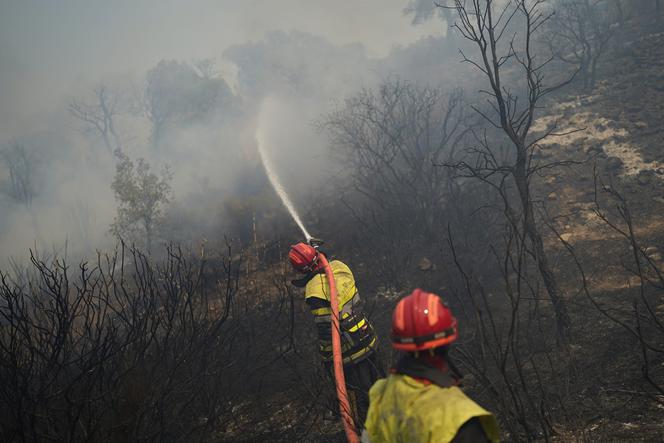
(319, 288)
(405, 410)
(358, 339)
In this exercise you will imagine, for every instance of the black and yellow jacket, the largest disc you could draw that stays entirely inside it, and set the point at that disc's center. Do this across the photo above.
(358, 339)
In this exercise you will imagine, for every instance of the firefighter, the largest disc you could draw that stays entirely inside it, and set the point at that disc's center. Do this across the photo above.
(420, 401)
(358, 340)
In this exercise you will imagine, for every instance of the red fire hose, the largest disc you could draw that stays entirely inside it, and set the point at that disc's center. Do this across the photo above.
(340, 380)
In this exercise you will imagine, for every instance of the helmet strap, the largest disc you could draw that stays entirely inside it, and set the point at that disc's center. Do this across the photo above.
(426, 367)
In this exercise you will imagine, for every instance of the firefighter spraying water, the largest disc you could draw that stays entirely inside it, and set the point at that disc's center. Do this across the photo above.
(358, 343)
(332, 296)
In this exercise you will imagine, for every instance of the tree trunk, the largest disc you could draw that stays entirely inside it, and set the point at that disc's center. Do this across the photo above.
(532, 231)
(621, 14)
(156, 135)
(593, 74)
(107, 142)
(148, 238)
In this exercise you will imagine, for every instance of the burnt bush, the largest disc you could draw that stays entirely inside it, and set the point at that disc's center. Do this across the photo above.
(120, 349)
(189, 348)
(390, 141)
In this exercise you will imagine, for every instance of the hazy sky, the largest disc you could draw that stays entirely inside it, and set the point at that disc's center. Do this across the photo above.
(49, 48)
(54, 50)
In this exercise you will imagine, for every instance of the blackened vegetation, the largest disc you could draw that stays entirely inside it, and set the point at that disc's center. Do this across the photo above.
(637, 315)
(486, 27)
(116, 350)
(219, 347)
(99, 115)
(581, 31)
(539, 347)
(20, 164)
(579, 34)
(390, 141)
(125, 349)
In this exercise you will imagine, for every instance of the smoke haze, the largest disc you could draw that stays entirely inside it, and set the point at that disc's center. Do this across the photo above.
(187, 80)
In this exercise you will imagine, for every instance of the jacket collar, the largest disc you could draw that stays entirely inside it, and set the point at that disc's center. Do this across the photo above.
(420, 369)
(302, 282)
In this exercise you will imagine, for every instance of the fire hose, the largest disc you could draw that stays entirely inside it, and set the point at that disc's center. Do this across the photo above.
(339, 378)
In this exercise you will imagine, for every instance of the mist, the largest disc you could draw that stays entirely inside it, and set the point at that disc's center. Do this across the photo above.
(218, 57)
(157, 159)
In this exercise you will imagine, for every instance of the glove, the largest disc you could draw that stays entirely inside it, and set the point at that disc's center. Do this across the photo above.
(316, 242)
(302, 282)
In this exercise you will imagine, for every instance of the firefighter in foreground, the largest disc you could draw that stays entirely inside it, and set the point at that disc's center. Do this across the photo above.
(358, 340)
(420, 401)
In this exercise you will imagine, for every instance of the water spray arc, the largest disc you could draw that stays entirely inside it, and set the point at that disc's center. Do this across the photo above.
(276, 184)
(340, 381)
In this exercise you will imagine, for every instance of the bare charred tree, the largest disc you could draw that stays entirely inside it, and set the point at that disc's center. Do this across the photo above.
(579, 34)
(115, 350)
(20, 165)
(620, 12)
(639, 315)
(508, 346)
(99, 115)
(185, 349)
(644, 11)
(390, 139)
(487, 25)
(648, 8)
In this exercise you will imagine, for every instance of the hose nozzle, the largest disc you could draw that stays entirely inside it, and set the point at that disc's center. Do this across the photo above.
(316, 242)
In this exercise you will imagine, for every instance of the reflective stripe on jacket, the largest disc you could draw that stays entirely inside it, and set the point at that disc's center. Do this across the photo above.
(358, 339)
(405, 410)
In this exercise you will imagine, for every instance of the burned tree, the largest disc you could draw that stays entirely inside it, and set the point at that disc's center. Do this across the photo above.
(20, 165)
(508, 345)
(114, 350)
(487, 26)
(639, 315)
(648, 8)
(390, 139)
(579, 33)
(99, 115)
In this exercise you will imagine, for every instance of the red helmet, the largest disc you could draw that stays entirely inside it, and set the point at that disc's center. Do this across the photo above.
(303, 257)
(422, 321)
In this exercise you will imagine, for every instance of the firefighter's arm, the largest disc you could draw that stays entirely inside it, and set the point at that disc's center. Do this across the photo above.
(319, 307)
(471, 432)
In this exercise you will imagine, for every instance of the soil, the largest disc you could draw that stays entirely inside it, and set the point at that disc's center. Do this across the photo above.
(617, 135)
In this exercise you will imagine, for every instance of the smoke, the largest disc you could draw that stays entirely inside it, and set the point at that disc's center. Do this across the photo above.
(306, 56)
(69, 207)
(423, 10)
(267, 133)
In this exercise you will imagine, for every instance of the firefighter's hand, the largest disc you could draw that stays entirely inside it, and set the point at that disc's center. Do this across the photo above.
(316, 242)
(299, 283)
